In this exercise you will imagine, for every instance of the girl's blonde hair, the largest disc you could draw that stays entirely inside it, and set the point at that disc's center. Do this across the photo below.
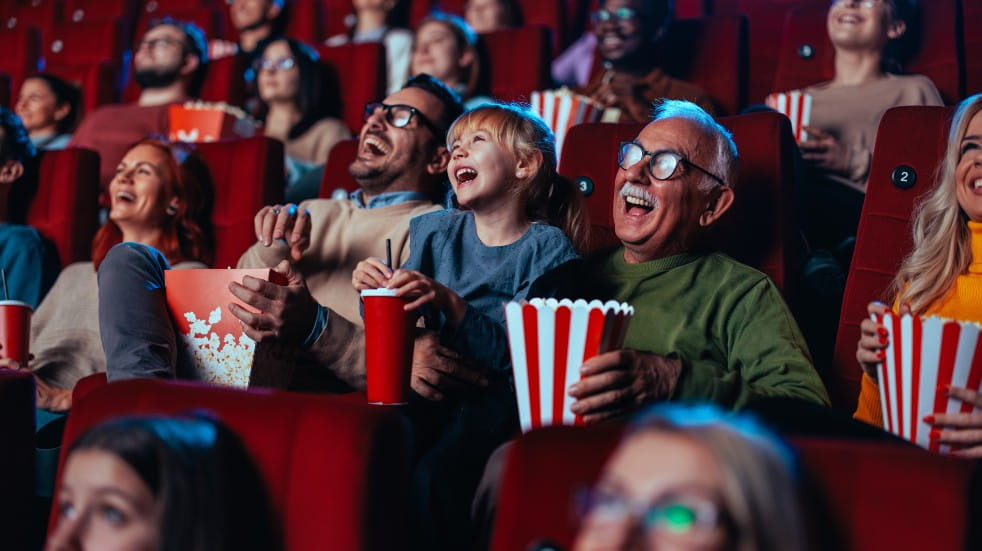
(548, 197)
(942, 243)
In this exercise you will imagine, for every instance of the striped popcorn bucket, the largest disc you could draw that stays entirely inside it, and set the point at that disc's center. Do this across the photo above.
(549, 341)
(923, 358)
(562, 110)
(797, 107)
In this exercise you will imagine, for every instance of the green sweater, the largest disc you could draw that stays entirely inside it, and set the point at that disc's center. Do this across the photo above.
(725, 321)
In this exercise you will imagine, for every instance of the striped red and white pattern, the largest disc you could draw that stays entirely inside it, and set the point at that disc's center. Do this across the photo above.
(797, 107)
(562, 109)
(549, 340)
(923, 358)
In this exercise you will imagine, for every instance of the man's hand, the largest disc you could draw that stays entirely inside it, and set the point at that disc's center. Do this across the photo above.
(620, 382)
(439, 371)
(286, 312)
(286, 222)
(51, 398)
(825, 151)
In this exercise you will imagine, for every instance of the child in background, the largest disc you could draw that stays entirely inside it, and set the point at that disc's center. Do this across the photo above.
(464, 264)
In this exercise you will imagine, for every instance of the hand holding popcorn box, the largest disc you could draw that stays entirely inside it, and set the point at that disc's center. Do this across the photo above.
(549, 341)
(562, 109)
(219, 350)
(198, 121)
(797, 107)
(924, 356)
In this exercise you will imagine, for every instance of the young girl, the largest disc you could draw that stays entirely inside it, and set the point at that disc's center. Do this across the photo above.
(464, 264)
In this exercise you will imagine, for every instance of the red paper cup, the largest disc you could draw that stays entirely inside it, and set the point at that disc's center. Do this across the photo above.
(15, 330)
(389, 336)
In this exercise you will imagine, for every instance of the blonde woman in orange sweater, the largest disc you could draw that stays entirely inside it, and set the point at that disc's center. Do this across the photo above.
(942, 276)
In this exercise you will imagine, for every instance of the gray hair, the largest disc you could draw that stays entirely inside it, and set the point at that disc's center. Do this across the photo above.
(725, 163)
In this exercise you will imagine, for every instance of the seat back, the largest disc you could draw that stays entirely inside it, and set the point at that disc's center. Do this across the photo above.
(971, 14)
(21, 51)
(335, 470)
(911, 136)
(760, 230)
(518, 61)
(84, 43)
(881, 495)
(78, 11)
(359, 70)
(65, 209)
(336, 175)
(97, 82)
(305, 21)
(17, 459)
(247, 174)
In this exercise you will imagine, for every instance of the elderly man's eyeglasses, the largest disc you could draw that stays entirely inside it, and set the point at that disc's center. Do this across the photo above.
(682, 516)
(281, 64)
(616, 15)
(663, 164)
(865, 4)
(400, 116)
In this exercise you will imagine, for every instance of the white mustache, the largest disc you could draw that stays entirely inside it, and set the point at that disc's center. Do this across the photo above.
(631, 190)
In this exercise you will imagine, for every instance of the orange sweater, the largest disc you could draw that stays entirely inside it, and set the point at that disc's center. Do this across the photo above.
(964, 303)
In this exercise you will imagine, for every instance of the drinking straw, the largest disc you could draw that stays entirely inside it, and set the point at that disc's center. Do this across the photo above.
(3, 277)
(388, 253)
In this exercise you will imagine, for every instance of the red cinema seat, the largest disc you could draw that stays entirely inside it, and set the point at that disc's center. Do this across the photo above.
(247, 175)
(550, 14)
(84, 43)
(760, 230)
(5, 90)
(971, 15)
(163, 7)
(710, 52)
(518, 62)
(806, 56)
(66, 206)
(911, 136)
(41, 14)
(336, 175)
(21, 51)
(336, 471)
(97, 82)
(305, 21)
(359, 69)
(17, 459)
(336, 12)
(881, 495)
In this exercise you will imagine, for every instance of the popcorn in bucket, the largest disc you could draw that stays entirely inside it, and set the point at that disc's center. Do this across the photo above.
(549, 341)
(797, 107)
(562, 109)
(199, 121)
(923, 357)
(220, 351)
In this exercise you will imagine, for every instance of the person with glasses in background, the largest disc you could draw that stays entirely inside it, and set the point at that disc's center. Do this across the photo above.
(169, 67)
(628, 75)
(694, 478)
(299, 107)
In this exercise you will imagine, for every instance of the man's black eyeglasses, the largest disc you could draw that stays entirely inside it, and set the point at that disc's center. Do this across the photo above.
(663, 164)
(400, 116)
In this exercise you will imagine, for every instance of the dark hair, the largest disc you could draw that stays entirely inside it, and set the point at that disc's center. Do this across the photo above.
(452, 106)
(512, 12)
(65, 94)
(187, 235)
(656, 15)
(195, 43)
(465, 39)
(210, 492)
(15, 144)
(899, 50)
(317, 96)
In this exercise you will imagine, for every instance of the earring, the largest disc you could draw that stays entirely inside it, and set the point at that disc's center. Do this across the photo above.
(520, 174)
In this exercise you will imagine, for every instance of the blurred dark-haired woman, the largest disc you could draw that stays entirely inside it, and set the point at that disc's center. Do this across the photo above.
(49, 108)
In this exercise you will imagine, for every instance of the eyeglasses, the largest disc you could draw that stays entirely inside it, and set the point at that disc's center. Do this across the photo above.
(154, 43)
(682, 516)
(400, 116)
(617, 15)
(663, 164)
(865, 4)
(281, 64)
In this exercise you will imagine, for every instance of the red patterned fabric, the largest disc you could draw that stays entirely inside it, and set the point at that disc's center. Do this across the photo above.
(336, 470)
(65, 208)
(912, 136)
(17, 459)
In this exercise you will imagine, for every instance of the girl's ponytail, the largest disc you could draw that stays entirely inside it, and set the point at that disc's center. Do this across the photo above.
(556, 200)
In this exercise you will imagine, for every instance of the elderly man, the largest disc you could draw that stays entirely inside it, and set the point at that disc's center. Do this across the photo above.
(169, 66)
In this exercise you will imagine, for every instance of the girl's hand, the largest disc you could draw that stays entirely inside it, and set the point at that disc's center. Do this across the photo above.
(871, 348)
(414, 285)
(963, 429)
(371, 273)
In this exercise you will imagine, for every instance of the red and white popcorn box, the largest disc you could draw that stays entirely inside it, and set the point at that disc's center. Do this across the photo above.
(220, 351)
(797, 106)
(562, 110)
(549, 341)
(198, 121)
(924, 357)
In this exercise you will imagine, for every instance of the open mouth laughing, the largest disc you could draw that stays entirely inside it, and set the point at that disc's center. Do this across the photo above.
(637, 200)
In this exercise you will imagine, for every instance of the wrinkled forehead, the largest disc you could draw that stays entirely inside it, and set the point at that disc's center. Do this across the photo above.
(679, 134)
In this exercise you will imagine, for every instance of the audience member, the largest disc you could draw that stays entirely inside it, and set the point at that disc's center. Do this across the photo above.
(486, 16)
(297, 108)
(695, 478)
(169, 66)
(24, 257)
(629, 77)
(378, 21)
(942, 275)
(846, 111)
(257, 22)
(162, 483)
(49, 108)
(446, 48)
